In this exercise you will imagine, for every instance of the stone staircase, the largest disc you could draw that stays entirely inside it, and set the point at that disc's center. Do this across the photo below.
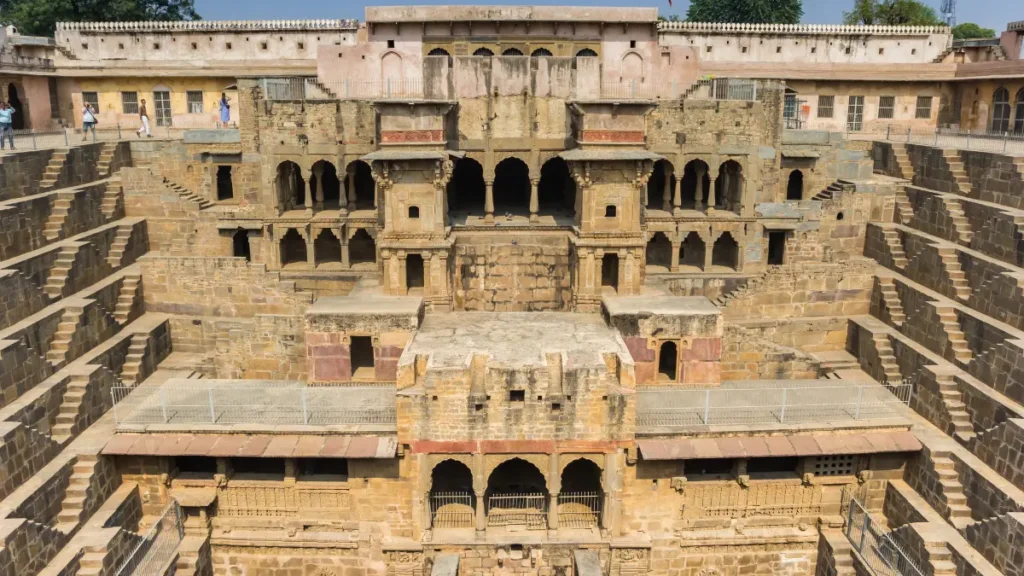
(904, 167)
(118, 246)
(940, 559)
(939, 59)
(61, 343)
(106, 157)
(887, 357)
(53, 169)
(93, 561)
(186, 195)
(956, 341)
(70, 408)
(891, 298)
(126, 299)
(958, 513)
(73, 505)
(904, 210)
(959, 219)
(112, 199)
(895, 244)
(133, 360)
(189, 550)
(58, 216)
(955, 273)
(952, 399)
(60, 271)
(957, 171)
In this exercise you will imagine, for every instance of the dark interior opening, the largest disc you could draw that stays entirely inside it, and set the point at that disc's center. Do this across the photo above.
(726, 252)
(610, 271)
(293, 248)
(360, 187)
(772, 465)
(240, 245)
(195, 466)
(329, 184)
(361, 348)
(14, 99)
(581, 476)
(326, 248)
(258, 468)
(512, 187)
(659, 251)
(693, 251)
(711, 467)
(413, 271)
(691, 190)
(467, 191)
(361, 248)
(516, 476)
(776, 248)
(795, 188)
(556, 191)
(323, 469)
(668, 362)
(225, 190)
(656, 186)
(291, 188)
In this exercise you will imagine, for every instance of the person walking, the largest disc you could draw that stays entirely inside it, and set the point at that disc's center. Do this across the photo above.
(145, 121)
(225, 110)
(6, 124)
(88, 121)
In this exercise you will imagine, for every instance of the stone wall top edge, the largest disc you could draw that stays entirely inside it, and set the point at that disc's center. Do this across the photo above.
(818, 29)
(611, 15)
(211, 26)
(1017, 26)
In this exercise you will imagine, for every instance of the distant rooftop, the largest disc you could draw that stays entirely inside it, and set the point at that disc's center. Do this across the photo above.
(402, 14)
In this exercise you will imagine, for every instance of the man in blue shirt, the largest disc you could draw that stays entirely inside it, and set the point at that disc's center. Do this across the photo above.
(6, 124)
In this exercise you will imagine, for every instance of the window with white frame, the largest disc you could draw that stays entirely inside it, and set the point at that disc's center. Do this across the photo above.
(194, 98)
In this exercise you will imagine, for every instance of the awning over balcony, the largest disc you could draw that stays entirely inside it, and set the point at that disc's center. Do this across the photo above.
(774, 446)
(252, 446)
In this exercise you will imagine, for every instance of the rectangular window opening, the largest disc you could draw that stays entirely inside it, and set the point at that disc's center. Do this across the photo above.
(361, 348)
(258, 468)
(924, 107)
(130, 102)
(194, 98)
(323, 469)
(826, 106)
(886, 107)
(196, 467)
(517, 395)
(708, 469)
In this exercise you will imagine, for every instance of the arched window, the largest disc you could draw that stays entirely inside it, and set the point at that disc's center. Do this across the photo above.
(240, 245)
(729, 186)
(659, 253)
(359, 186)
(1001, 110)
(466, 191)
(361, 248)
(326, 248)
(668, 361)
(725, 252)
(225, 190)
(586, 53)
(696, 184)
(439, 52)
(291, 188)
(452, 502)
(581, 498)
(483, 52)
(795, 188)
(516, 495)
(512, 187)
(660, 186)
(327, 184)
(512, 52)
(541, 53)
(556, 191)
(18, 120)
(293, 248)
(693, 251)
(1018, 124)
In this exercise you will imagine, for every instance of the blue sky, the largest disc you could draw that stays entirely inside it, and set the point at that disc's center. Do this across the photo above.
(989, 13)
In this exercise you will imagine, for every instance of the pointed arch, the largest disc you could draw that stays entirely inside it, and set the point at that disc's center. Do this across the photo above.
(659, 253)
(795, 186)
(512, 52)
(693, 251)
(696, 184)
(293, 248)
(1001, 110)
(541, 53)
(512, 187)
(359, 186)
(483, 52)
(726, 252)
(291, 188)
(556, 191)
(467, 189)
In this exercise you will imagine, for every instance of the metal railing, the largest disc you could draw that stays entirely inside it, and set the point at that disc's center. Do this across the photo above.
(33, 139)
(452, 509)
(1010, 143)
(312, 89)
(881, 553)
(157, 547)
(580, 509)
(529, 510)
(238, 402)
(676, 407)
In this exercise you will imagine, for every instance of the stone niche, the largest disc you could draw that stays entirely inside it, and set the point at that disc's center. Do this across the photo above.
(673, 340)
(359, 337)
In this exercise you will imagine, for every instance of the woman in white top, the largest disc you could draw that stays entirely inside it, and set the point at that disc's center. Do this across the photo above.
(88, 121)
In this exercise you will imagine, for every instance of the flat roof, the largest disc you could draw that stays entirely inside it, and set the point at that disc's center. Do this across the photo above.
(660, 305)
(514, 339)
(403, 14)
(779, 446)
(363, 304)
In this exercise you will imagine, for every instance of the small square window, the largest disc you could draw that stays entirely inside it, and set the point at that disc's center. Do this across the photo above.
(517, 395)
(778, 49)
(391, 43)
(414, 212)
(195, 46)
(85, 46)
(924, 107)
(849, 50)
(609, 211)
(156, 45)
(744, 49)
(632, 43)
(881, 51)
(814, 49)
(120, 45)
(708, 49)
(826, 106)
(556, 407)
(263, 45)
(913, 51)
(228, 45)
(302, 45)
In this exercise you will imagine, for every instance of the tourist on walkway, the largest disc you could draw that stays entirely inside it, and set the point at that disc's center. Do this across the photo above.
(88, 121)
(145, 121)
(225, 110)
(6, 124)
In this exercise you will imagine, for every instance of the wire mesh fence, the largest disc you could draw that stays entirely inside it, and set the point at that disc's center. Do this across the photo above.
(1009, 143)
(579, 509)
(881, 553)
(452, 509)
(279, 403)
(677, 407)
(528, 510)
(157, 546)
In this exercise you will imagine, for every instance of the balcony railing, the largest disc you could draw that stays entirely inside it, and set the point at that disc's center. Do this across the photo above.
(254, 402)
(879, 550)
(156, 548)
(580, 509)
(282, 502)
(747, 404)
(452, 509)
(1009, 142)
(529, 510)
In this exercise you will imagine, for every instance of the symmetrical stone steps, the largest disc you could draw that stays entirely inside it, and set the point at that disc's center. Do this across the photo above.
(940, 559)
(70, 408)
(960, 223)
(957, 171)
(904, 211)
(187, 195)
(891, 298)
(58, 216)
(958, 513)
(105, 158)
(72, 506)
(126, 299)
(957, 342)
(955, 273)
(952, 398)
(57, 353)
(53, 169)
(887, 357)
(93, 561)
(134, 359)
(113, 200)
(904, 167)
(54, 287)
(892, 240)
(118, 246)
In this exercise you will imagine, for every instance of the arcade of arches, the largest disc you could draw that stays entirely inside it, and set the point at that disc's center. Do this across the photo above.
(698, 188)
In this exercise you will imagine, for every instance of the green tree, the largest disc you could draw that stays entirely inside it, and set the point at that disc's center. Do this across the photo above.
(892, 13)
(746, 11)
(40, 17)
(969, 30)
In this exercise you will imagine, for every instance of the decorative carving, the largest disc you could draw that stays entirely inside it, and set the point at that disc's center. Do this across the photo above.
(581, 174)
(709, 571)
(324, 571)
(382, 176)
(644, 170)
(631, 554)
(443, 170)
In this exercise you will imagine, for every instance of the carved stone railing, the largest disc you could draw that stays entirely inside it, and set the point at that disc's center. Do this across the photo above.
(210, 25)
(814, 29)
(270, 501)
(727, 499)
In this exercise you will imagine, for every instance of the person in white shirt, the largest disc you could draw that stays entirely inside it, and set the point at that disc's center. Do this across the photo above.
(88, 121)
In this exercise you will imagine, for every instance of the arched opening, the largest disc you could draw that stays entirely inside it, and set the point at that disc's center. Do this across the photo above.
(225, 189)
(391, 66)
(361, 248)
(729, 186)
(326, 248)
(512, 187)
(1001, 110)
(293, 248)
(1018, 124)
(586, 53)
(360, 186)
(439, 52)
(328, 184)
(693, 251)
(483, 52)
(659, 253)
(541, 53)
(516, 495)
(466, 190)
(291, 188)
(668, 362)
(632, 67)
(452, 502)
(610, 271)
(240, 245)
(660, 186)
(581, 497)
(512, 52)
(696, 184)
(556, 191)
(18, 119)
(795, 188)
(414, 272)
(725, 252)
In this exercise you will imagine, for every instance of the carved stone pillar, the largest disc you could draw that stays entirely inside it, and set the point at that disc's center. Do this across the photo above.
(318, 188)
(709, 250)
(677, 197)
(675, 257)
(534, 202)
(700, 171)
(711, 192)
(554, 487)
(479, 489)
(489, 202)
(309, 195)
(351, 188)
(402, 287)
(666, 193)
(310, 248)
(481, 518)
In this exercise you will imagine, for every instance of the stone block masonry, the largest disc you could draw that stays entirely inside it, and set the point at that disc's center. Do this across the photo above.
(518, 273)
(1000, 540)
(1002, 448)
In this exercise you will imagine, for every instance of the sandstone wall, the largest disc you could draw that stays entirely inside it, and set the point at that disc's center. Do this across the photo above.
(1002, 448)
(1000, 541)
(823, 289)
(519, 274)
